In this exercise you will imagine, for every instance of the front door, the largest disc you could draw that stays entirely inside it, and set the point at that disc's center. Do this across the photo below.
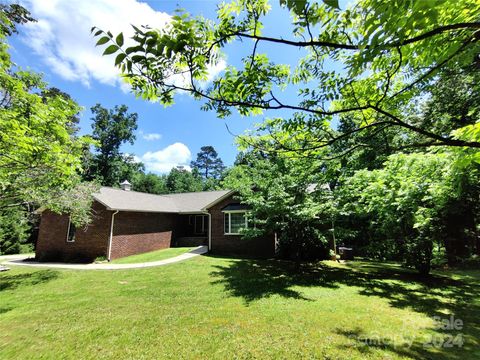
(201, 224)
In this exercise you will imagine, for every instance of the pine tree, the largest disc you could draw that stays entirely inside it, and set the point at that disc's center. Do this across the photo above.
(208, 164)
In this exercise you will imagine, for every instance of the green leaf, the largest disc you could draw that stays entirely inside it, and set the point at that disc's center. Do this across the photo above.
(102, 40)
(133, 49)
(111, 49)
(138, 58)
(332, 3)
(119, 39)
(120, 57)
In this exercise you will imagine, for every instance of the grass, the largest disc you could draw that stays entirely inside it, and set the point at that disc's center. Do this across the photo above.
(153, 255)
(219, 308)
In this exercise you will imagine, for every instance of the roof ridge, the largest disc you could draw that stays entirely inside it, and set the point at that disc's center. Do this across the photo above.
(195, 192)
(168, 194)
(136, 192)
(118, 199)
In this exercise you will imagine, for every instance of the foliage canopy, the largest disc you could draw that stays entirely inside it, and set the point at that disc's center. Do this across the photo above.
(385, 61)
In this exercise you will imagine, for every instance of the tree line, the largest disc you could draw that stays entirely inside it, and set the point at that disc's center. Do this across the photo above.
(104, 163)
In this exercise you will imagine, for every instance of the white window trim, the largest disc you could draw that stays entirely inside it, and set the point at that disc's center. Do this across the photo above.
(229, 212)
(68, 231)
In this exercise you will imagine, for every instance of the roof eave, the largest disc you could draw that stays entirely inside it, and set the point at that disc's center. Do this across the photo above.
(221, 198)
(144, 211)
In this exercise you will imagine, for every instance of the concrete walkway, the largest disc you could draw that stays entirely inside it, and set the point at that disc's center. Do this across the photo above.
(19, 260)
(16, 257)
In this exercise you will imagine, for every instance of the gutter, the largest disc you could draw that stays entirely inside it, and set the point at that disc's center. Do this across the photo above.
(111, 235)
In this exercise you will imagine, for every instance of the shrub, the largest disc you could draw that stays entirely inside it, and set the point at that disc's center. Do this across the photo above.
(14, 229)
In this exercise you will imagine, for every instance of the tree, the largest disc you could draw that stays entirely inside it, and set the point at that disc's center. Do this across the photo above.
(38, 154)
(208, 164)
(72, 126)
(111, 129)
(150, 183)
(385, 62)
(286, 196)
(12, 15)
(410, 203)
(14, 228)
(453, 102)
(129, 168)
(180, 180)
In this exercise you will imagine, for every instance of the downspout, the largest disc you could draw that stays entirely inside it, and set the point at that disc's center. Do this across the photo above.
(209, 230)
(111, 235)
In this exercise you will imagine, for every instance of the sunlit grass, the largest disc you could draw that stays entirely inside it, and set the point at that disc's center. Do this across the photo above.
(153, 255)
(220, 308)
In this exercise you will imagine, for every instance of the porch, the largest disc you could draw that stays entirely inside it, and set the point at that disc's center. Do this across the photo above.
(192, 230)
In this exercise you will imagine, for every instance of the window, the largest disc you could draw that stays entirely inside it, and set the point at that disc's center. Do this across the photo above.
(71, 232)
(234, 222)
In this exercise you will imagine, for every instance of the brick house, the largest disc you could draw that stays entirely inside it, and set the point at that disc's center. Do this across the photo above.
(127, 222)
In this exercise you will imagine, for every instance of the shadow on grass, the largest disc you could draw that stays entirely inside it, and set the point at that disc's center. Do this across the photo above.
(256, 279)
(442, 345)
(11, 282)
(432, 295)
(4, 310)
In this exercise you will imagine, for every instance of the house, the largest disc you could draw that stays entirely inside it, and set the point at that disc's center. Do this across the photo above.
(127, 222)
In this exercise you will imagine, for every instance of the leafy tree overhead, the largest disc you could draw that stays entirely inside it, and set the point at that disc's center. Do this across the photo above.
(386, 60)
(111, 129)
(208, 164)
(12, 15)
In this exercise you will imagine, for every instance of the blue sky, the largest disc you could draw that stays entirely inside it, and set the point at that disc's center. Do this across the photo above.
(60, 46)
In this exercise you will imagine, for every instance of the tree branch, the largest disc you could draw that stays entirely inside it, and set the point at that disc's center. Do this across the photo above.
(334, 45)
(445, 141)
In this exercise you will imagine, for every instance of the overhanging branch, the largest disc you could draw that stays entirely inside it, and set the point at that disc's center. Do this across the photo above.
(335, 45)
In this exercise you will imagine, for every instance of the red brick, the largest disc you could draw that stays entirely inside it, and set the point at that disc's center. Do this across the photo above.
(90, 242)
(261, 247)
(136, 232)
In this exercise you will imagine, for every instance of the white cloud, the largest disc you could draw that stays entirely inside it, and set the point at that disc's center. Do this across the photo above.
(151, 136)
(162, 161)
(61, 38)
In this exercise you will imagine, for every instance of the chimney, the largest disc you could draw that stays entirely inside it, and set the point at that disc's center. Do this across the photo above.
(125, 185)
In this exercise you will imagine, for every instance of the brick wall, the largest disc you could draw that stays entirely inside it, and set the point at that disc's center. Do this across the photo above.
(134, 233)
(90, 242)
(137, 232)
(221, 244)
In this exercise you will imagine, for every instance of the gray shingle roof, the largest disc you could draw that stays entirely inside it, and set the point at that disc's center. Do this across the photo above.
(117, 199)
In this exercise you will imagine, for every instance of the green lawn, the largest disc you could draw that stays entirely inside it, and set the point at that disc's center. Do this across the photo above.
(153, 255)
(220, 308)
